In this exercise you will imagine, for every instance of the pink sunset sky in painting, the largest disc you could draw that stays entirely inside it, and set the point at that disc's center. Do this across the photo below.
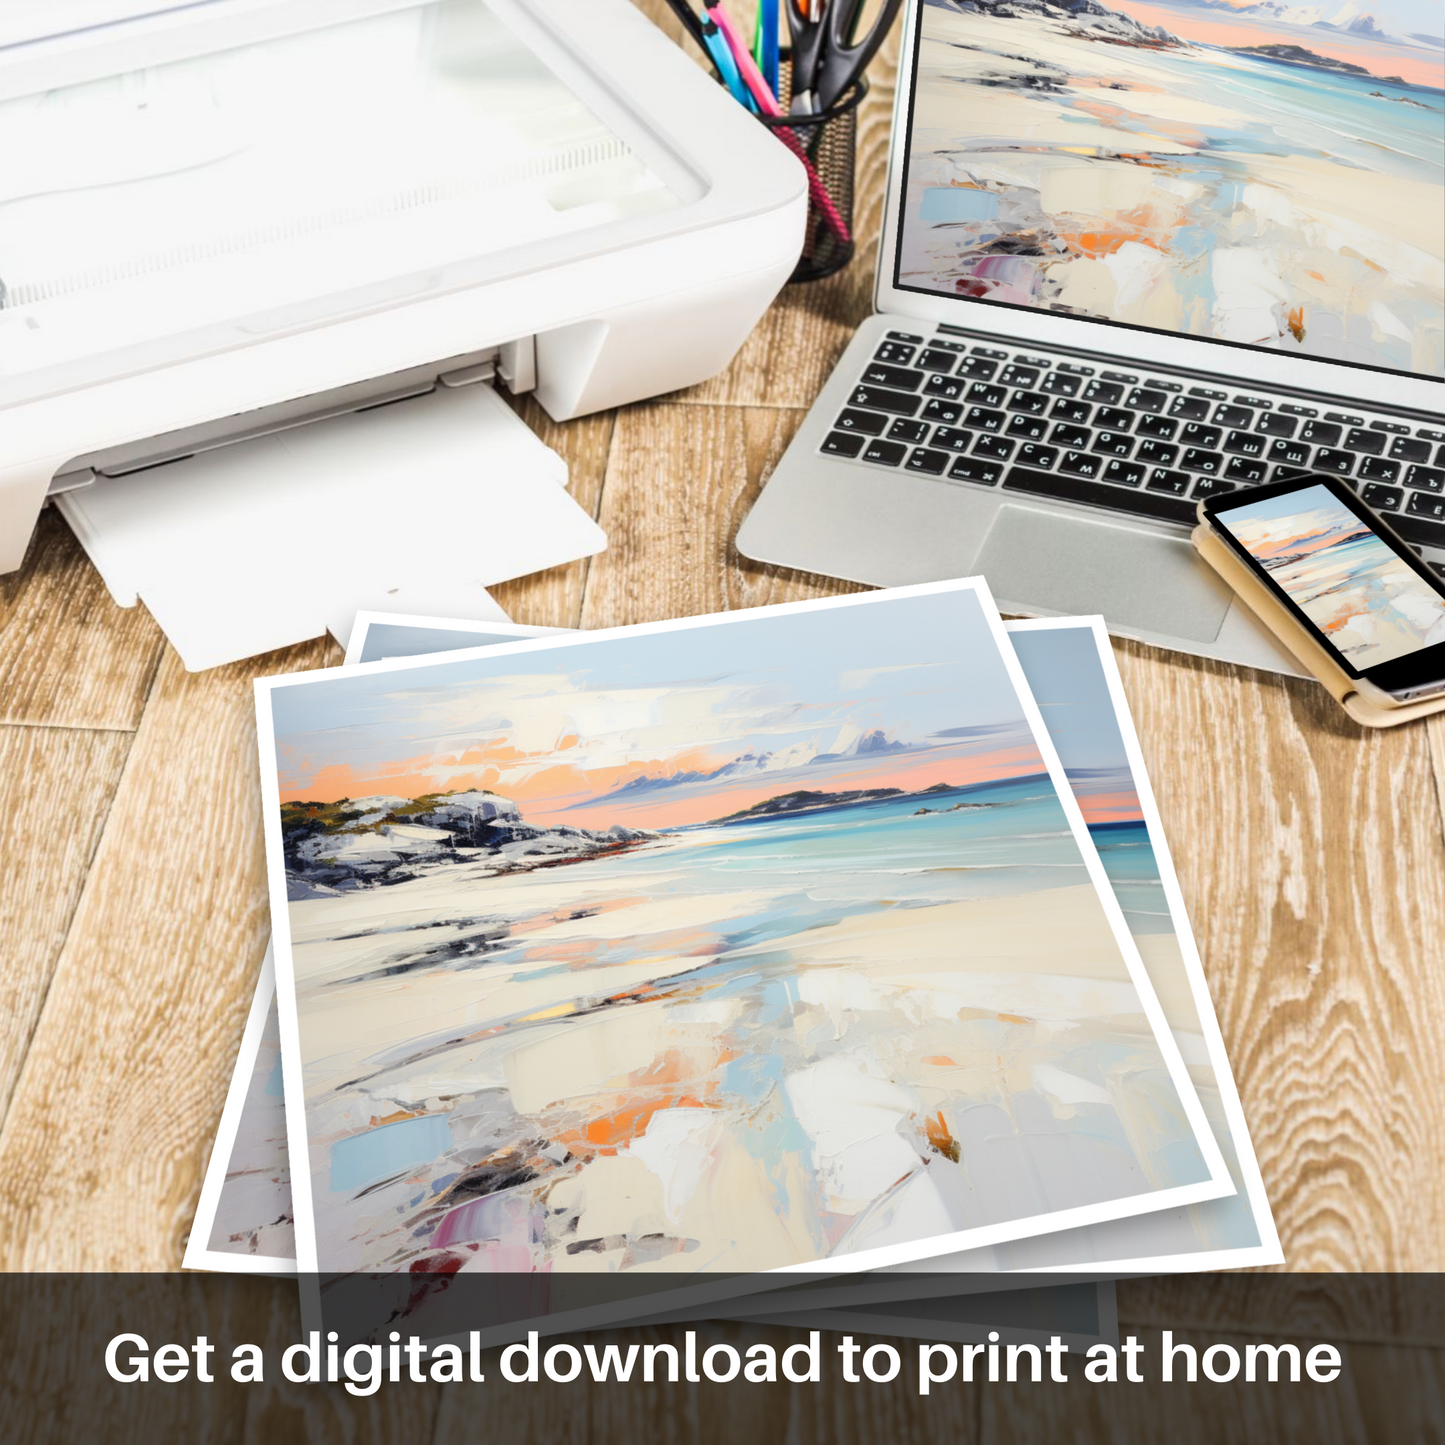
(1216, 26)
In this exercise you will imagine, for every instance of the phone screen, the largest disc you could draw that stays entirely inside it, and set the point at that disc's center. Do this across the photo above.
(1364, 597)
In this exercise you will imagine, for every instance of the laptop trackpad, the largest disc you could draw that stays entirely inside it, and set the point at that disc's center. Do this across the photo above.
(1072, 565)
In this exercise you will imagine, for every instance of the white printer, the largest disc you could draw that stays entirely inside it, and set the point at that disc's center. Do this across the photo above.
(222, 220)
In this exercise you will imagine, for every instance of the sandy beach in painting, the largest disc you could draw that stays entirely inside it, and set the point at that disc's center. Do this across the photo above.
(616, 1086)
(1107, 172)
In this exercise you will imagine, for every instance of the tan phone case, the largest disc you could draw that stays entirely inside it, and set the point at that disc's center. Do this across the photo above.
(1262, 602)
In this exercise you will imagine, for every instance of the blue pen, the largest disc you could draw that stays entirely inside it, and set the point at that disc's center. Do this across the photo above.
(768, 60)
(727, 67)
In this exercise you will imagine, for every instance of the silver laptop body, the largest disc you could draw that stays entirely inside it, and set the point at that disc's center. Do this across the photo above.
(1003, 432)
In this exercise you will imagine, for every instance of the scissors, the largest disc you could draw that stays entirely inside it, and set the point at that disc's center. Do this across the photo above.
(827, 54)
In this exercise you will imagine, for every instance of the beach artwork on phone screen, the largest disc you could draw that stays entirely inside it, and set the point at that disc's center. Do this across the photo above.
(725, 946)
(1371, 604)
(1257, 173)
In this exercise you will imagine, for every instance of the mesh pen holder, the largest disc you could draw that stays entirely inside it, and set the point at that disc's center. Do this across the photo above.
(827, 144)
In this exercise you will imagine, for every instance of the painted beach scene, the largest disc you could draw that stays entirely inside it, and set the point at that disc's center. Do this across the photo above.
(1371, 605)
(1259, 173)
(730, 946)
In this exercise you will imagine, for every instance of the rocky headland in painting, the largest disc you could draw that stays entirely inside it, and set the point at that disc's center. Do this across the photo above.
(361, 842)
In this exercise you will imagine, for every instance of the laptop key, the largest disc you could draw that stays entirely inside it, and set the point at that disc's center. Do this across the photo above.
(1124, 474)
(904, 429)
(905, 379)
(1189, 408)
(1060, 383)
(877, 398)
(1422, 505)
(1161, 479)
(1272, 424)
(1426, 479)
(1377, 469)
(1112, 444)
(895, 353)
(1113, 418)
(1073, 488)
(1016, 375)
(955, 439)
(843, 444)
(982, 394)
(1406, 448)
(1210, 487)
(886, 454)
(1417, 529)
(981, 419)
(995, 448)
(1322, 433)
(867, 422)
(924, 459)
(1071, 436)
(1195, 435)
(1245, 443)
(945, 411)
(1035, 403)
(1030, 427)
(1156, 426)
(905, 336)
(977, 368)
(1199, 460)
(1107, 392)
(1143, 398)
(971, 469)
(1371, 443)
(1075, 411)
(1036, 456)
(1245, 469)
(948, 387)
(1381, 497)
(1331, 459)
(934, 359)
(1081, 464)
(1235, 416)
(1289, 453)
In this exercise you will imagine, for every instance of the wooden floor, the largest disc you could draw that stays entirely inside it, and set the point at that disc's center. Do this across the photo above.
(133, 914)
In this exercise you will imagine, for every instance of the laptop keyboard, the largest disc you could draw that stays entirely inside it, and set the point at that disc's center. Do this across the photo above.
(1146, 445)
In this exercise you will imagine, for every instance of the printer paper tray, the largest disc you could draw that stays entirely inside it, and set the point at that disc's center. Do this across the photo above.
(416, 506)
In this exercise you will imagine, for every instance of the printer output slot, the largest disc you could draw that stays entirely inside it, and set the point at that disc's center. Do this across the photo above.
(513, 362)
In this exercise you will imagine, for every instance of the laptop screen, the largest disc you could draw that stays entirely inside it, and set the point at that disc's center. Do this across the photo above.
(1258, 174)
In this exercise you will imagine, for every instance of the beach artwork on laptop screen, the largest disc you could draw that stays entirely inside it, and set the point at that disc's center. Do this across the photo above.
(1257, 173)
(1370, 604)
(728, 945)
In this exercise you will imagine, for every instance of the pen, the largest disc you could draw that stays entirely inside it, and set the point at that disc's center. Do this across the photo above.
(688, 18)
(768, 105)
(724, 57)
(765, 42)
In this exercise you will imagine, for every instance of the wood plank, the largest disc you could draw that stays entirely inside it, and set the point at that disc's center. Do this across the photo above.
(554, 598)
(102, 1150)
(69, 657)
(1311, 858)
(679, 482)
(56, 786)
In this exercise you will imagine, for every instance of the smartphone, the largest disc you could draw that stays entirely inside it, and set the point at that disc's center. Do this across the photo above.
(1335, 566)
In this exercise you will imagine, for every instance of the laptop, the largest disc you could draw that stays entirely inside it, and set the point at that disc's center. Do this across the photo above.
(1133, 254)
